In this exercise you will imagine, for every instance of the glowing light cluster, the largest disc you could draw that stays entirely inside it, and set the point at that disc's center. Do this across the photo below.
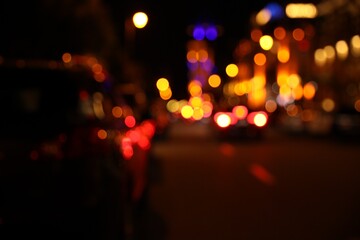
(301, 10)
(341, 50)
(163, 86)
(196, 108)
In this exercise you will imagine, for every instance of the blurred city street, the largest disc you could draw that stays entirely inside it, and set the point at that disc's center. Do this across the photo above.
(281, 187)
(180, 120)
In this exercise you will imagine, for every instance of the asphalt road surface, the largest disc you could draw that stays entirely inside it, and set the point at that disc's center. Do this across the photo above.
(279, 187)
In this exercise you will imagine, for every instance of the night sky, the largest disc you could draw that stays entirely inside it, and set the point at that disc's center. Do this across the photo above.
(46, 29)
(168, 32)
(162, 44)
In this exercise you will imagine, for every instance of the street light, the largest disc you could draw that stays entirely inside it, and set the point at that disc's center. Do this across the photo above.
(133, 70)
(140, 19)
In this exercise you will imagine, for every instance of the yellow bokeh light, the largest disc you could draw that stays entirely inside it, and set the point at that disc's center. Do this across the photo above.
(320, 57)
(257, 98)
(281, 78)
(293, 80)
(355, 45)
(297, 92)
(285, 90)
(214, 80)
(195, 90)
(140, 19)
(198, 113)
(194, 83)
(240, 111)
(283, 54)
(342, 49)
(166, 94)
(232, 70)
(172, 106)
(330, 53)
(301, 10)
(266, 42)
(242, 88)
(309, 90)
(162, 84)
(187, 111)
(196, 102)
(263, 17)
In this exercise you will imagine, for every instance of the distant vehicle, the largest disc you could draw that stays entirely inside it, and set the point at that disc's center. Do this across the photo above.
(229, 126)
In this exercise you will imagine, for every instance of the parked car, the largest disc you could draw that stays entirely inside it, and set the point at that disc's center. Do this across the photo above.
(60, 166)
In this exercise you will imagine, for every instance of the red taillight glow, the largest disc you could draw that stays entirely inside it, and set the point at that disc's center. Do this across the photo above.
(259, 118)
(126, 148)
(144, 143)
(133, 135)
(148, 128)
(130, 121)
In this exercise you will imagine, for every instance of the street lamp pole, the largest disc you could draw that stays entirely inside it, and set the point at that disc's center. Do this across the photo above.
(138, 21)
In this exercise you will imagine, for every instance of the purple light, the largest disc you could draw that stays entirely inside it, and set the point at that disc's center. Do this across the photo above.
(199, 33)
(211, 33)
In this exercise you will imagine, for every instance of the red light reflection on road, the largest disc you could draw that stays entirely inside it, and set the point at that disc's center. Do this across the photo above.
(227, 149)
(262, 174)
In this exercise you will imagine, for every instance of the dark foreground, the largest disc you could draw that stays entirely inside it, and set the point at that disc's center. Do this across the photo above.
(278, 187)
(281, 188)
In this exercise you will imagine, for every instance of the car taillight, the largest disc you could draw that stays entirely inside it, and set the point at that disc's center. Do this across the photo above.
(127, 148)
(259, 118)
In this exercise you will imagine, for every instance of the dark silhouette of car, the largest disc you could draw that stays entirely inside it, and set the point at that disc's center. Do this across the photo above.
(61, 170)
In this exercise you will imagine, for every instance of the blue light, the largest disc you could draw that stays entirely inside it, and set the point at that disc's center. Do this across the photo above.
(277, 12)
(199, 33)
(211, 33)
